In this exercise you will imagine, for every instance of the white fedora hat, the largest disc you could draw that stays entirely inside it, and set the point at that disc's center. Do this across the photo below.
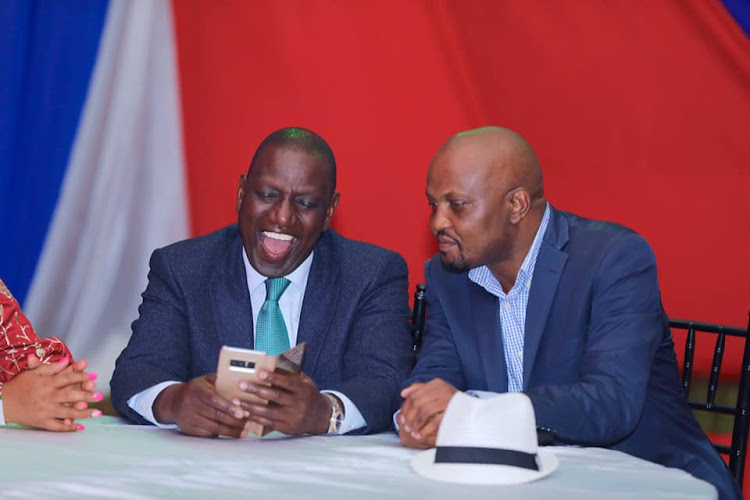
(487, 441)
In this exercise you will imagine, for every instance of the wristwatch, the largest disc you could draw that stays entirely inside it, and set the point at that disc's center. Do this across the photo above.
(337, 414)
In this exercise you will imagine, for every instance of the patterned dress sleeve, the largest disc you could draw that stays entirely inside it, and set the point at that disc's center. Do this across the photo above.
(18, 339)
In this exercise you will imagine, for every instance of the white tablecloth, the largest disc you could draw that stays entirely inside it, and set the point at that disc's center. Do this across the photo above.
(113, 460)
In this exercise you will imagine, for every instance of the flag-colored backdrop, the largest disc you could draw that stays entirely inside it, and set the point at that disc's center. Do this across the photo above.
(125, 125)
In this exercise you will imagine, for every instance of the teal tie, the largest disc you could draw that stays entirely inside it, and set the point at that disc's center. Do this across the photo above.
(270, 334)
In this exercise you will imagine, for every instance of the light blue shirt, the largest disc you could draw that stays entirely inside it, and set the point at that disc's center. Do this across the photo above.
(512, 305)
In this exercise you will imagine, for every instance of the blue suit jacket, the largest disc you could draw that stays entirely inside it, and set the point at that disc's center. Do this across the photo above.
(354, 320)
(599, 363)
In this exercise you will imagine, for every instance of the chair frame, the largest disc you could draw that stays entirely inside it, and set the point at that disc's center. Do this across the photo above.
(741, 411)
(419, 313)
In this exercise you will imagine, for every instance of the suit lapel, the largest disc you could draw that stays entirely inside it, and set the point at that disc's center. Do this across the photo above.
(230, 300)
(547, 271)
(484, 308)
(318, 305)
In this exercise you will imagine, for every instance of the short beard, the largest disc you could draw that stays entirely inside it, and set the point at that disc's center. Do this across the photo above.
(455, 267)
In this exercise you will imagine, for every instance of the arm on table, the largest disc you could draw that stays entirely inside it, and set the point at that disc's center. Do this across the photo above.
(158, 352)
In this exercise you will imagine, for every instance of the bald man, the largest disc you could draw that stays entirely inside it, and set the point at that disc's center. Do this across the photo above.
(526, 298)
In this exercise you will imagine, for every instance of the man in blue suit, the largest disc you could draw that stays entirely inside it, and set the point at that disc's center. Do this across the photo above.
(347, 300)
(523, 297)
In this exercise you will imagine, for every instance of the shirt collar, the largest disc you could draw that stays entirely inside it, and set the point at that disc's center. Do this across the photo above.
(297, 277)
(480, 275)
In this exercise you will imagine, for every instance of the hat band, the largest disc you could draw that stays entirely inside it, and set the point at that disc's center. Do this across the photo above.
(469, 455)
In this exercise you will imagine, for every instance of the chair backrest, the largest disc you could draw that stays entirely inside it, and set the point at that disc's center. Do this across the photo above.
(418, 315)
(741, 410)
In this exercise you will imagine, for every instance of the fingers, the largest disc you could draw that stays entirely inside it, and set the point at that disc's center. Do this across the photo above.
(33, 361)
(73, 394)
(423, 405)
(80, 366)
(50, 369)
(410, 390)
(409, 441)
(201, 411)
(55, 425)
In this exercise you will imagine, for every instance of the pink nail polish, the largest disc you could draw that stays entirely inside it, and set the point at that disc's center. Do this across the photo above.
(96, 414)
(81, 427)
(93, 376)
(64, 359)
(98, 396)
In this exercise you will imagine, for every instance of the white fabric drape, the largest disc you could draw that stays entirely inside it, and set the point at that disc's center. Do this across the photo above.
(124, 190)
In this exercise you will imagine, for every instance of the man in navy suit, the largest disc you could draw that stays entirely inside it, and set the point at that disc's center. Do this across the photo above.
(347, 300)
(523, 297)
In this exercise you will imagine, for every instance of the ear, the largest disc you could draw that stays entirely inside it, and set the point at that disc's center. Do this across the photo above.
(330, 209)
(241, 191)
(520, 203)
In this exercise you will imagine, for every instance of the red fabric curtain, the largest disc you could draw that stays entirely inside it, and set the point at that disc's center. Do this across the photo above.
(639, 112)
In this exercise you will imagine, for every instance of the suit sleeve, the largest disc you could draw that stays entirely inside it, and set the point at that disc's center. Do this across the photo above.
(626, 326)
(438, 357)
(379, 355)
(158, 350)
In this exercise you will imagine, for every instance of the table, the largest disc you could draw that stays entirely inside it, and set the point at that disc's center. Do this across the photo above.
(113, 460)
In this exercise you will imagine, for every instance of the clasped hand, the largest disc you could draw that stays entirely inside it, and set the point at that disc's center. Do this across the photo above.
(422, 412)
(50, 396)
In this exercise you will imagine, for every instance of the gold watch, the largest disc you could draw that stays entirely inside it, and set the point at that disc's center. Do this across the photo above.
(337, 414)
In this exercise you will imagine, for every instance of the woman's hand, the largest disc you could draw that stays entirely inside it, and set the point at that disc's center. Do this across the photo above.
(50, 396)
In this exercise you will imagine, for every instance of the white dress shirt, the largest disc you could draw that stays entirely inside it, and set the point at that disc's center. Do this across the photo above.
(290, 304)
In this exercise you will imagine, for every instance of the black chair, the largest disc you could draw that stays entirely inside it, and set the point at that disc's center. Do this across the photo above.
(418, 315)
(740, 411)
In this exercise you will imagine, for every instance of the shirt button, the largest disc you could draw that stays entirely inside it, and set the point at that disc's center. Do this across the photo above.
(507, 305)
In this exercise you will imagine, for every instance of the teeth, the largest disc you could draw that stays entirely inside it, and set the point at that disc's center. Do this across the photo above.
(277, 236)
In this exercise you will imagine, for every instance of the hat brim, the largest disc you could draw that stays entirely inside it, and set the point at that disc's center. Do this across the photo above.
(424, 464)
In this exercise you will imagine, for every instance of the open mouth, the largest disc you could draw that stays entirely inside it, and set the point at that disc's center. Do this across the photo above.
(276, 245)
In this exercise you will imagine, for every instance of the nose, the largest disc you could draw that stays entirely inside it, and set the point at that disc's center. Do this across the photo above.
(282, 212)
(438, 219)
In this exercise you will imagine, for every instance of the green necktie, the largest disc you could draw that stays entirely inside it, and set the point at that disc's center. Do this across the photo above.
(270, 334)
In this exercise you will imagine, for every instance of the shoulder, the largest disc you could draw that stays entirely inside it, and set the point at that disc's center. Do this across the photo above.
(590, 237)
(359, 254)
(201, 251)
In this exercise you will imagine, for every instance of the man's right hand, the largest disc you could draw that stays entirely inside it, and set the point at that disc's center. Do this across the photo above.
(198, 410)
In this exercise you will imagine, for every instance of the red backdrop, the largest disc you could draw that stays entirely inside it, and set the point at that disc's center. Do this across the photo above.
(639, 112)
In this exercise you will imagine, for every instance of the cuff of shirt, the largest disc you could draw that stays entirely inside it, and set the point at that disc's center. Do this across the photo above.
(353, 419)
(143, 403)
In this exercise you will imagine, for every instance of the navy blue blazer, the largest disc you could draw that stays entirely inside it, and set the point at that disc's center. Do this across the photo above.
(354, 319)
(598, 361)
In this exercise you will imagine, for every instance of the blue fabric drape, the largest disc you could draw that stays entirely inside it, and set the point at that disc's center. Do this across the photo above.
(740, 9)
(47, 52)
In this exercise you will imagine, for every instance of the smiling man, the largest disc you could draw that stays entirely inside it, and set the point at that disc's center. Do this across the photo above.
(278, 277)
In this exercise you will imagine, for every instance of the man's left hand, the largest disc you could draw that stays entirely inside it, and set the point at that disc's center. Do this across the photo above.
(295, 406)
(423, 411)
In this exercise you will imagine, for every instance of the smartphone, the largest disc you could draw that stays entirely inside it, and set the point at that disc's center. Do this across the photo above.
(237, 364)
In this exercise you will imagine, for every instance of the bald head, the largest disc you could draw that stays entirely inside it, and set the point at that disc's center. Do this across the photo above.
(499, 155)
(300, 139)
(487, 196)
